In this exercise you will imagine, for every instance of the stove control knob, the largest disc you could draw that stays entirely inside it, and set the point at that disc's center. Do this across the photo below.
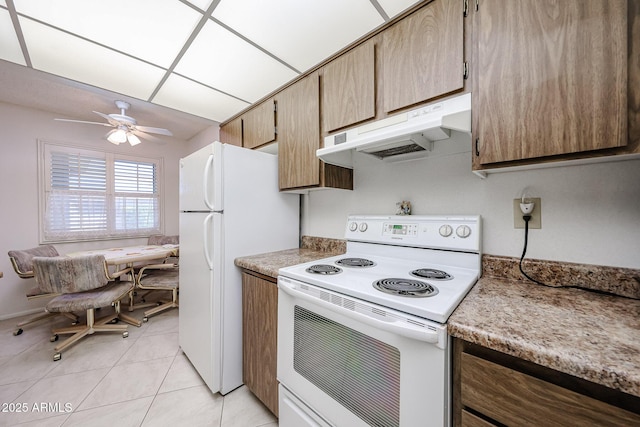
(363, 227)
(353, 226)
(446, 230)
(463, 231)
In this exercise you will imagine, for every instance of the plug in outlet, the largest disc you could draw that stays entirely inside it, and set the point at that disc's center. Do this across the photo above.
(536, 213)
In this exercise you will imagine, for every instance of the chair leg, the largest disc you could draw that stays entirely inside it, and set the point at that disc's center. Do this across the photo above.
(133, 306)
(171, 304)
(84, 330)
(42, 316)
(36, 318)
(71, 316)
(130, 320)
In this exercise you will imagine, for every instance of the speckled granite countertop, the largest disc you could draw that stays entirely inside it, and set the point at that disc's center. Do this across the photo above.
(269, 263)
(312, 248)
(585, 334)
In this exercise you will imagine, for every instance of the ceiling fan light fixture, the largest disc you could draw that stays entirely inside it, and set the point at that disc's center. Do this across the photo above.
(133, 140)
(117, 136)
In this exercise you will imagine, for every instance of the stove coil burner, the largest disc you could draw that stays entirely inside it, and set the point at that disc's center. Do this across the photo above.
(405, 287)
(355, 262)
(325, 269)
(431, 273)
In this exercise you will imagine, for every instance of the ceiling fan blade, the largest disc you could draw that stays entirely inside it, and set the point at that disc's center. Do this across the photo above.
(108, 118)
(83, 121)
(159, 131)
(148, 137)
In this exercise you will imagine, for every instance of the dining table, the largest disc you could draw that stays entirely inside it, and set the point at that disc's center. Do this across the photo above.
(130, 256)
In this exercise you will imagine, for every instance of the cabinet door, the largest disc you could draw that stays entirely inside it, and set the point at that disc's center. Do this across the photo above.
(299, 134)
(422, 55)
(231, 133)
(552, 77)
(259, 338)
(348, 88)
(259, 125)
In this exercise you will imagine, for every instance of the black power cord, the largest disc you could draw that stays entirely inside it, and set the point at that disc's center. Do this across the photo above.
(526, 219)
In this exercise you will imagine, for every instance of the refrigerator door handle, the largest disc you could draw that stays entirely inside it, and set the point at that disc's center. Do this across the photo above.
(205, 184)
(207, 224)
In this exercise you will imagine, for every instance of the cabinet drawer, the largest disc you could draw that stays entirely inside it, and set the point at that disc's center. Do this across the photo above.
(470, 420)
(513, 398)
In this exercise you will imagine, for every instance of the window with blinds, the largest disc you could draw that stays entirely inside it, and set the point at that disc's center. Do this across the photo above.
(90, 195)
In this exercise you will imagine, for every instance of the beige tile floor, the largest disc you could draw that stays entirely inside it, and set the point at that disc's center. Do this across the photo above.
(107, 380)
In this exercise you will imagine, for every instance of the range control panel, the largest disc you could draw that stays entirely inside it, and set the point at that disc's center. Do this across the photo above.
(439, 232)
(393, 229)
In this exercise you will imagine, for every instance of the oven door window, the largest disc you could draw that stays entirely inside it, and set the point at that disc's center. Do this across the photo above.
(358, 371)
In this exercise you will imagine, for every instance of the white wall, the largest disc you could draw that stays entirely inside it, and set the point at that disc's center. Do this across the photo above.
(590, 213)
(21, 129)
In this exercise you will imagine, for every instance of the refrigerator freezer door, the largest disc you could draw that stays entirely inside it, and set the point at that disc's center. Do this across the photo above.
(200, 176)
(199, 323)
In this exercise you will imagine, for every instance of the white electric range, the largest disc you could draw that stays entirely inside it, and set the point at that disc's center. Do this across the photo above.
(354, 330)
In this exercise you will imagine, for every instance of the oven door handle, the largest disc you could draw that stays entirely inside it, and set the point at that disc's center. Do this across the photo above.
(395, 326)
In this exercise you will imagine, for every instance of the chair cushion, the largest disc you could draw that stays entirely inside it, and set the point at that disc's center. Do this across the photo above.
(160, 279)
(101, 297)
(63, 274)
(24, 258)
(36, 292)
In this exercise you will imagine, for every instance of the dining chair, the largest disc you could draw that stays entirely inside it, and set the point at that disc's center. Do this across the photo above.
(154, 240)
(161, 239)
(159, 277)
(84, 284)
(22, 263)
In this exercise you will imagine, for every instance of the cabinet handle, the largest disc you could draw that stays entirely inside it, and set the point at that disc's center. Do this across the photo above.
(477, 149)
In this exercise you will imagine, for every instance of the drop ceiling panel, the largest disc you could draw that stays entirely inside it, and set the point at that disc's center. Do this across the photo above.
(394, 7)
(220, 59)
(153, 30)
(9, 46)
(191, 97)
(302, 33)
(202, 4)
(62, 54)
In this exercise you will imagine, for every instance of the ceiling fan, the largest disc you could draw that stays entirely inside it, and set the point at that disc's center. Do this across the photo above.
(126, 127)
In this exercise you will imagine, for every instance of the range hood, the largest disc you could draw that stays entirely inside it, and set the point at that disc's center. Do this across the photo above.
(405, 136)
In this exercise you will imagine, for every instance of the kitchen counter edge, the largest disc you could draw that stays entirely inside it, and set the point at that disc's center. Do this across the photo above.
(589, 335)
(269, 263)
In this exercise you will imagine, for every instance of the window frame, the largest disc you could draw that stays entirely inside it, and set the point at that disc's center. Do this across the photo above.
(44, 185)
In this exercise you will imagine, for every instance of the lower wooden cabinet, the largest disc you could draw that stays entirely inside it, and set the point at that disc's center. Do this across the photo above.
(494, 389)
(259, 337)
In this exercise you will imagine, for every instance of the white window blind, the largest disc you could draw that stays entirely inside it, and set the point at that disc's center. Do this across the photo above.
(93, 195)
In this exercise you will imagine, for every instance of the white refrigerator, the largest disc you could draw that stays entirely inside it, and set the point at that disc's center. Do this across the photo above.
(230, 206)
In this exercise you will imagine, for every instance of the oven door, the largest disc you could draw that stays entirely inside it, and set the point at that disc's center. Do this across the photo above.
(358, 364)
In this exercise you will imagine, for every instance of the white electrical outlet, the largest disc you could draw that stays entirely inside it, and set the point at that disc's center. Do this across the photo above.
(535, 212)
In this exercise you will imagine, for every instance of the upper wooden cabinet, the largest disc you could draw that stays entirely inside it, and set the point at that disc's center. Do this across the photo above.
(299, 138)
(348, 88)
(551, 78)
(231, 133)
(422, 55)
(259, 125)
(299, 134)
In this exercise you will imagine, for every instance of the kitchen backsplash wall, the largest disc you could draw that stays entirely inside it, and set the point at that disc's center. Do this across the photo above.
(590, 213)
